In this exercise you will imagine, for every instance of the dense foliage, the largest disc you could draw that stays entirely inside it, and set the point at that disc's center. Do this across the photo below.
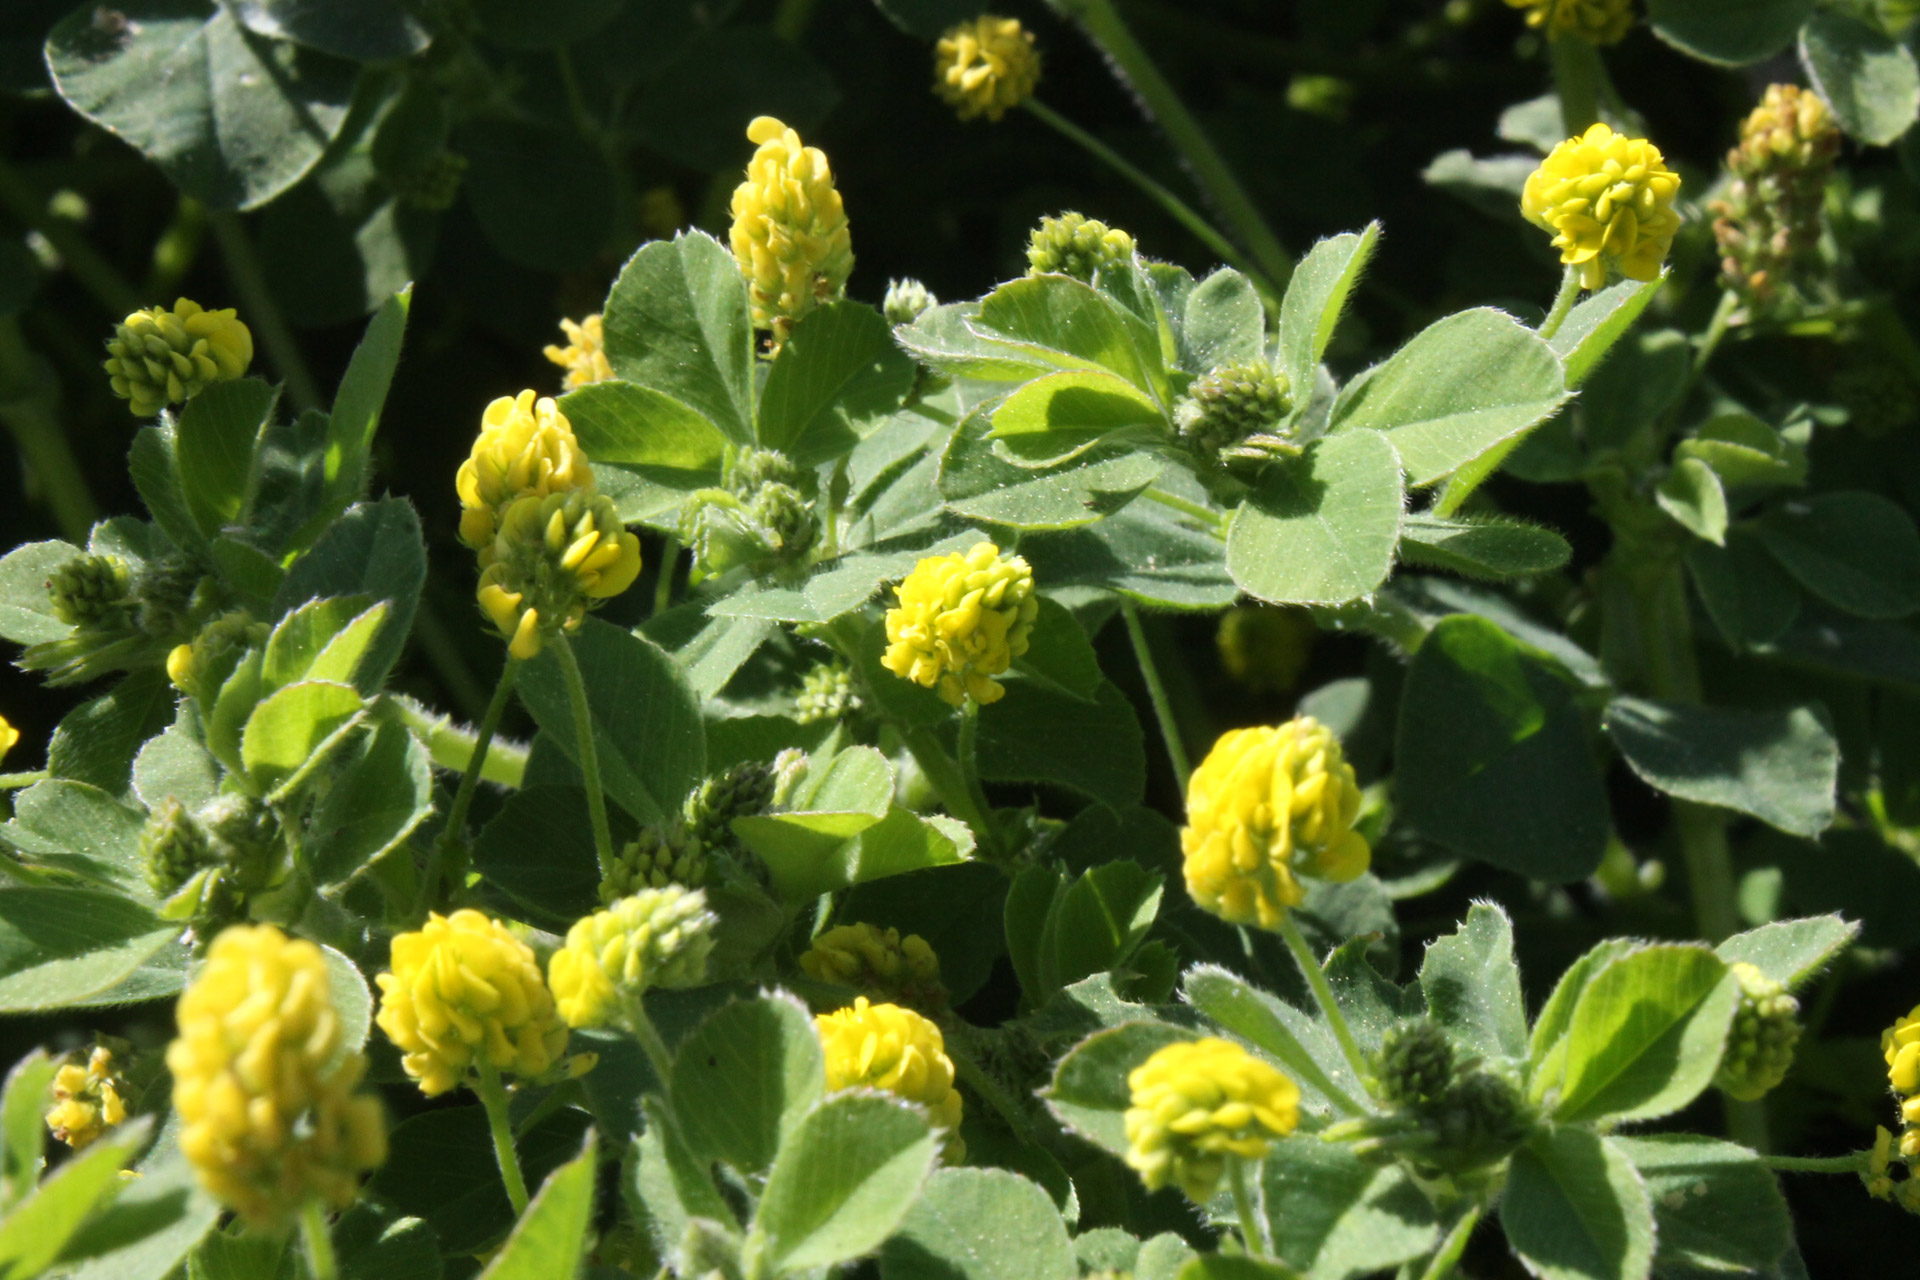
(741, 657)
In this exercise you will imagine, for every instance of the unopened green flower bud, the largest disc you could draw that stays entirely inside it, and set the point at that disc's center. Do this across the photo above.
(1416, 1065)
(656, 858)
(786, 514)
(1480, 1120)
(159, 357)
(656, 938)
(1077, 246)
(827, 692)
(92, 591)
(199, 667)
(173, 848)
(754, 468)
(743, 791)
(906, 300)
(245, 838)
(1232, 413)
(1760, 1046)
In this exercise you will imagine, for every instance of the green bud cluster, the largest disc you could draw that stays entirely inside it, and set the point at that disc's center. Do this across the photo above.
(827, 692)
(1765, 1029)
(1416, 1065)
(121, 620)
(246, 839)
(906, 301)
(92, 591)
(763, 517)
(1229, 414)
(698, 847)
(1077, 246)
(200, 667)
(742, 791)
(173, 848)
(1445, 1114)
(203, 865)
(656, 858)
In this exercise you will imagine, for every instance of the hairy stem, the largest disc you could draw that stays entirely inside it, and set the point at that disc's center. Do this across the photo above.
(451, 746)
(1562, 302)
(313, 1226)
(493, 1097)
(1323, 995)
(969, 747)
(1252, 1239)
(589, 752)
(448, 859)
(949, 782)
(1856, 1162)
(1447, 1256)
(649, 1037)
(1157, 694)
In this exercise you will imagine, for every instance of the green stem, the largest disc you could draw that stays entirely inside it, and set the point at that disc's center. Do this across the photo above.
(1709, 342)
(1856, 1162)
(15, 781)
(261, 312)
(1447, 1256)
(29, 405)
(451, 746)
(1323, 994)
(313, 1225)
(649, 1037)
(969, 749)
(494, 1098)
(1136, 71)
(1182, 212)
(1562, 302)
(1576, 79)
(950, 783)
(589, 751)
(663, 589)
(96, 275)
(1252, 1239)
(448, 858)
(1157, 694)
(1213, 520)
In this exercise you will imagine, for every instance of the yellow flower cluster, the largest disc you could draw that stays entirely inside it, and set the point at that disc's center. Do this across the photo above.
(789, 229)
(883, 1046)
(879, 960)
(158, 357)
(9, 737)
(960, 621)
(1790, 129)
(1900, 1044)
(552, 556)
(87, 1099)
(526, 448)
(263, 1085)
(463, 988)
(1595, 21)
(1197, 1103)
(985, 67)
(585, 355)
(1267, 805)
(1608, 199)
(656, 938)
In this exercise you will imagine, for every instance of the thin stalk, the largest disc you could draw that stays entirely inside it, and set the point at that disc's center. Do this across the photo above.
(1323, 994)
(1252, 1238)
(1157, 694)
(1182, 212)
(649, 1037)
(1709, 342)
(589, 751)
(452, 843)
(1206, 515)
(313, 1226)
(1576, 79)
(950, 784)
(1855, 1162)
(1562, 302)
(969, 748)
(494, 1099)
(1447, 1256)
(1136, 71)
(15, 781)
(99, 277)
(29, 400)
(261, 312)
(663, 589)
(451, 746)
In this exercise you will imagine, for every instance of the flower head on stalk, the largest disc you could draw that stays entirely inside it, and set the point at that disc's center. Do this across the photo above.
(789, 229)
(162, 356)
(1195, 1105)
(1608, 199)
(960, 620)
(552, 560)
(986, 66)
(526, 448)
(885, 1046)
(655, 938)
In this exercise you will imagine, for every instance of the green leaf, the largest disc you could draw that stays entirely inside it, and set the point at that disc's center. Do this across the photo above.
(665, 1185)
(26, 611)
(59, 947)
(1222, 323)
(96, 741)
(676, 321)
(34, 1233)
(1038, 734)
(1598, 321)
(352, 1001)
(361, 397)
(980, 1224)
(156, 474)
(1717, 1207)
(1494, 758)
(1093, 923)
(646, 720)
(364, 30)
(1791, 951)
(981, 480)
(1320, 529)
(539, 849)
(1745, 591)
(215, 438)
(1744, 451)
(1781, 766)
(1162, 1257)
(1857, 551)
(441, 1168)
(1575, 1209)
(151, 1225)
(1056, 414)
(1332, 1216)
(550, 1240)
(844, 1179)
(670, 449)
(297, 641)
(1145, 551)
(840, 585)
(376, 550)
(231, 119)
(946, 338)
(23, 1126)
(1464, 389)
(1482, 546)
(1301, 1043)
(293, 725)
(1690, 492)
(544, 194)
(1868, 78)
(81, 830)
(514, 26)
(379, 792)
(1316, 295)
(1089, 1094)
(1728, 31)
(1071, 326)
(744, 1078)
(837, 376)
(1472, 984)
(1646, 1035)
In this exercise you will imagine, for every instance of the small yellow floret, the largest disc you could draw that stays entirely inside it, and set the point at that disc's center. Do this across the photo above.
(1268, 805)
(960, 621)
(87, 1099)
(158, 357)
(552, 558)
(655, 938)
(585, 355)
(1195, 1104)
(262, 1085)
(883, 1046)
(1608, 199)
(870, 958)
(986, 67)
(462, 986)
(1595, 21)
(526, 448)
(789, 229)
(9, 737)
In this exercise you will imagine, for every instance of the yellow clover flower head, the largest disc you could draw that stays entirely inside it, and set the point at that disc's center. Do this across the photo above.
(1900, 1045)
(1196, 1103)
(656, 938)
(883, 1046)
(526, 448)
(552, 558)
(462, 987)
(9, 737)
(985, 67)
(585, 355)
(158, 357)
(1075, 245)
(1268, 805)
(960, 621)
(1790, 129)
(263, 1085)
(879, 960)
(789, 229)
(88, 1098)
(1608, 199)
(1595, 21)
